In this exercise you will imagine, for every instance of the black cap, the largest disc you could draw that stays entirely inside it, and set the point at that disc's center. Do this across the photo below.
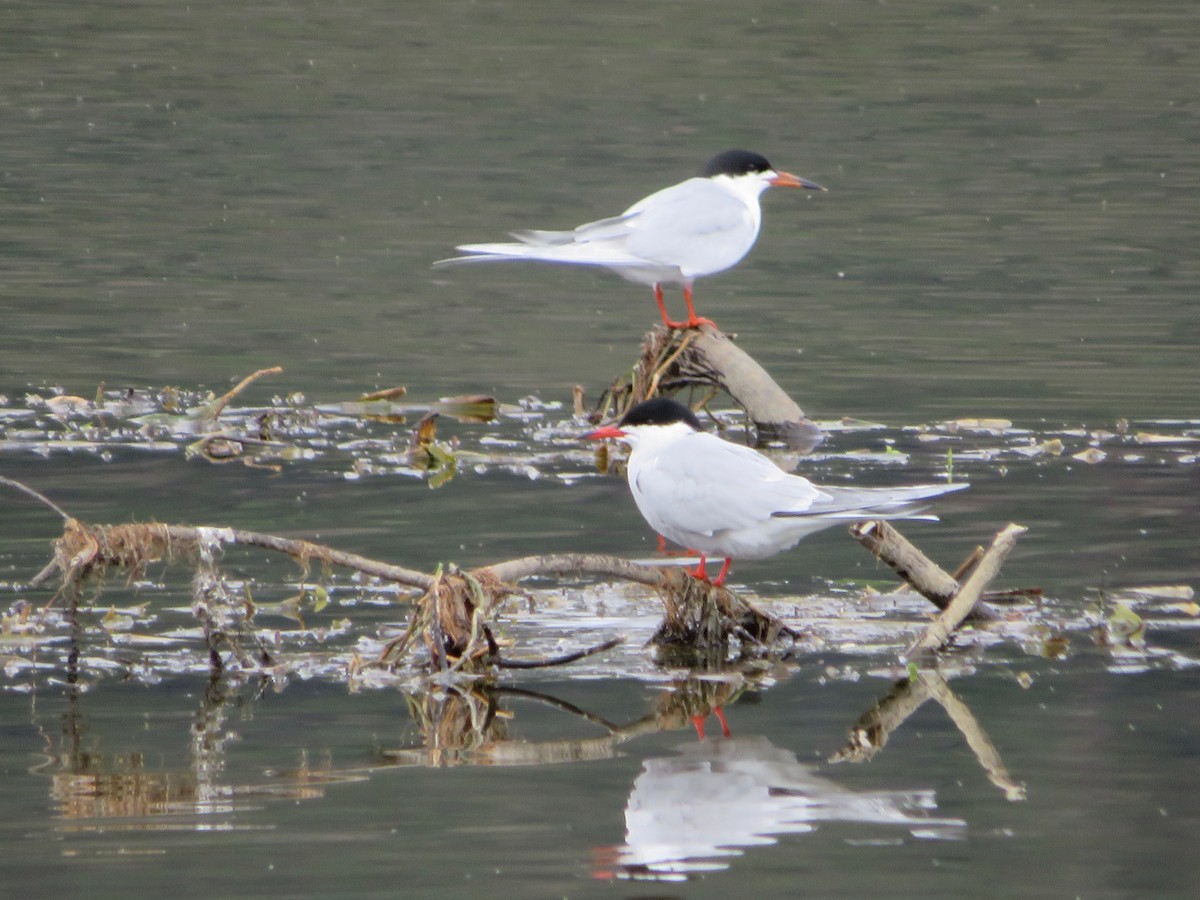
(735, 162)
(661, 411)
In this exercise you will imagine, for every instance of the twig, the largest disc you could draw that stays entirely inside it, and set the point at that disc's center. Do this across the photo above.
(214, 409)
(140, 544)
(558, 660)
(25, 489)
(661, 369)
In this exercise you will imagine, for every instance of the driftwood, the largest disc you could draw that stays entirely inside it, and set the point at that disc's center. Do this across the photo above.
(706, 358)
(925, 576)
(452, 614)
(957, 603)
(964, 601)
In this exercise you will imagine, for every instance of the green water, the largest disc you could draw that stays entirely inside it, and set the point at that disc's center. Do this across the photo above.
(191, 193)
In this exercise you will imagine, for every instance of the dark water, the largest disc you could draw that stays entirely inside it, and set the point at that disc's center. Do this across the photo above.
(191, 193)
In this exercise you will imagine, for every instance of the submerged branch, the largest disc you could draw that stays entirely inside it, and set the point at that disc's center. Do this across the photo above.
(559, 660)
(213, 411)
(454, 612)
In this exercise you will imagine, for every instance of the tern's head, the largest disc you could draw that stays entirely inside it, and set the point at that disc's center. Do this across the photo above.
(744, 166)
(658, 416)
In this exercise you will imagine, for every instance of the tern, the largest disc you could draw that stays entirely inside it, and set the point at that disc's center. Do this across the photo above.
(724, 499)
(695, 228)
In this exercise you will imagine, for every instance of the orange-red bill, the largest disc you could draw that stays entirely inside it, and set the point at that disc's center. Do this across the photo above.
(787, 179)
(608, 431)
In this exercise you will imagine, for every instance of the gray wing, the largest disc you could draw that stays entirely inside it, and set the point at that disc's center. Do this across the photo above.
(705, 484)
(850, 503)
(613, 228)
(687, 220)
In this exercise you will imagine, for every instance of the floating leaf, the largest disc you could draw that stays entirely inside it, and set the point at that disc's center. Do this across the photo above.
(67, 404)
(1055, 646)
(468, 407)
(1091, 455)
(1125, 626)
(320, 598)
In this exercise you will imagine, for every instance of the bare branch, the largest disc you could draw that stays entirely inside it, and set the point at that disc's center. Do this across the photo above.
(213, 410)
(42, 498)
(583, 563)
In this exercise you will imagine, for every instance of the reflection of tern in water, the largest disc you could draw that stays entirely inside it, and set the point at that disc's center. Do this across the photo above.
(687, 811)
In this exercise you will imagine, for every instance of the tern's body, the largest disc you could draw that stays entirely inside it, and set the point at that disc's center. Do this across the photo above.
(695, 228)
(728, 500)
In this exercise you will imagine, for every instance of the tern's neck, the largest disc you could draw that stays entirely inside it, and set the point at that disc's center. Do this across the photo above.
(747, 187)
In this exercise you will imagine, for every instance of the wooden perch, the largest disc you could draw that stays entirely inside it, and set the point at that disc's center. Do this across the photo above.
(672, 360)
(451, 617)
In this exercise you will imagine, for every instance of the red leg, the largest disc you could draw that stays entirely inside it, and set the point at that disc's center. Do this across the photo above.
(701, 572)
(662, 308)
(698, 722)
(720, 714)
(693, 320)
(720, 579)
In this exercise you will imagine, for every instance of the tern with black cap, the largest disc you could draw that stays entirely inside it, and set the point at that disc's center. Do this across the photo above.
(692, 229)
(728, 500)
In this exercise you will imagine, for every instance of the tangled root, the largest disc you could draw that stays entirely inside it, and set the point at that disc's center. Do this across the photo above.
(83, 550)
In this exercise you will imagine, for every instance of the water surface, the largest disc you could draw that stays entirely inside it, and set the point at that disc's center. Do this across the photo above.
(192, 193)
